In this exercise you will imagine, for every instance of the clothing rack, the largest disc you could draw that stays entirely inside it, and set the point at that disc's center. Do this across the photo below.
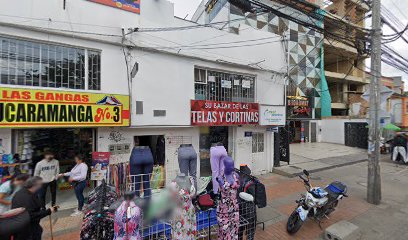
(255, 179)
(101, 208)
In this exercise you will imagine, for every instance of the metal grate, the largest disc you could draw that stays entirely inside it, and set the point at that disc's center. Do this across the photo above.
(30, 63)
(221, 86)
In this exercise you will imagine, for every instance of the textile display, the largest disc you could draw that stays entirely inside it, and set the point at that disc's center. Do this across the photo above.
(217, 153)
(184, 221)
(98, 221)
(187, 160)
(157, 178)
(128, 221)
(228, 210)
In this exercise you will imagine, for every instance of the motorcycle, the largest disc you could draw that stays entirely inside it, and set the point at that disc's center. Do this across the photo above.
(317, 203)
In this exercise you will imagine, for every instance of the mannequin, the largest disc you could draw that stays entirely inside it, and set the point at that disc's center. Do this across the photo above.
(228, 208)
(141, 164)
(217, 153)
(128, 219)
(184, 219)
(187, 159)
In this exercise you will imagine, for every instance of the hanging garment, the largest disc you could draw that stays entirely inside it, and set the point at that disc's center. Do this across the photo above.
(141, 168)
(187, 160)
(228, 210)
(217, 153)
(160, 151)
(184, 221)
(128, 218)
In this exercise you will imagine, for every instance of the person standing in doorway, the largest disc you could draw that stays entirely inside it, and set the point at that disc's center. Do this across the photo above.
(28, 199)
(48, 170)
(77, 178)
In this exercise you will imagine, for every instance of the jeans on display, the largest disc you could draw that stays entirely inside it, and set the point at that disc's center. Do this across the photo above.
(79, 193)
(187, 159)
(217, 153)
(141, 162)
(53, 190)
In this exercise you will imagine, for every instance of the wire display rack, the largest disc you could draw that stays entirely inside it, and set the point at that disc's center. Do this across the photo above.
(207, 219)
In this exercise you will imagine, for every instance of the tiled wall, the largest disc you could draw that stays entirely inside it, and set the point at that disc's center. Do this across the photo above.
(303, 47)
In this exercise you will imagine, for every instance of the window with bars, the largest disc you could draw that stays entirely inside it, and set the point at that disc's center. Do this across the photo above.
(258, 142)
(32, 63)
(220, 86)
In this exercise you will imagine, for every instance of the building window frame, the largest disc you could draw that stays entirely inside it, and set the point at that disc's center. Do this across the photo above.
(258, 142)
(221, 85)
(34, 63)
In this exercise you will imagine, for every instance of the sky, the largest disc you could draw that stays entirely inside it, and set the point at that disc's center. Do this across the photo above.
(398, 7)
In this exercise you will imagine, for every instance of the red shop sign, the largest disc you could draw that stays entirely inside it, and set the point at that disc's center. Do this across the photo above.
(217, 113)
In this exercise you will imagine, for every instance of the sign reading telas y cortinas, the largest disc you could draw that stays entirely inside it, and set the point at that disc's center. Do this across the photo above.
(219, 113)
(23, 108)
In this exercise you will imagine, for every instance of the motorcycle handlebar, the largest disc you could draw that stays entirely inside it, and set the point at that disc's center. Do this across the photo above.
(304, 179)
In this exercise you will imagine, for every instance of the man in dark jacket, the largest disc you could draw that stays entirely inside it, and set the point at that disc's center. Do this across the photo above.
(28, 199)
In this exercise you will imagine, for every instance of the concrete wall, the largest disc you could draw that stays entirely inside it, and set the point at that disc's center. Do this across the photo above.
(332, 130)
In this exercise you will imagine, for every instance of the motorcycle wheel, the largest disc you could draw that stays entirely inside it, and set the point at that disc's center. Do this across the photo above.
(294, 223)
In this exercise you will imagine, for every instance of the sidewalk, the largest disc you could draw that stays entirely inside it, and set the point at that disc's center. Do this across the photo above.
(386, 221)
(319, 156)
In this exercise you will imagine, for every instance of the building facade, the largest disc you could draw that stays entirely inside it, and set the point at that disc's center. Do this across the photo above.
(84, 77)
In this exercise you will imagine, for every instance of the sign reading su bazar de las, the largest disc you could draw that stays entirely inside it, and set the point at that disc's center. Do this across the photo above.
(21, 108)
(218, 113)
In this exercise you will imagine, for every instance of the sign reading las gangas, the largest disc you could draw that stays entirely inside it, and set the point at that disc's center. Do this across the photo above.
(44, 108)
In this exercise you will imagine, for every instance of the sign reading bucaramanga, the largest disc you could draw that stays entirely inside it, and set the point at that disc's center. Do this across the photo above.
(24, 108)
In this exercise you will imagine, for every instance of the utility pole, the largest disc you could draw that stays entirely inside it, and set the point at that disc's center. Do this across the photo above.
(374, 174)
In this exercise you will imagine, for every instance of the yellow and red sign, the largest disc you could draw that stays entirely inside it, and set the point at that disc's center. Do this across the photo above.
(25, 108)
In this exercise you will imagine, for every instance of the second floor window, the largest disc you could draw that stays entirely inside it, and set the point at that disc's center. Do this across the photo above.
(221, 86)
(30, 63)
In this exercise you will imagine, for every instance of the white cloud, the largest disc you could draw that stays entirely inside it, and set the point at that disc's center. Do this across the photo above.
(184, 7)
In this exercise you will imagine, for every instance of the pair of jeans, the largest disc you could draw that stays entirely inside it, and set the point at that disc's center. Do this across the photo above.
(141, 168)
(187, 160)
(217, 155)
(53, 189)
(79, 193)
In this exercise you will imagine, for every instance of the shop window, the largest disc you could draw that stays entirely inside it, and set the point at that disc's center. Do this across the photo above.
(30, 63)
(222, 86)
(258, 142)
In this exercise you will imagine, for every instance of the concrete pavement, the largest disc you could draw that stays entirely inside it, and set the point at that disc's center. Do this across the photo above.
(319, 156)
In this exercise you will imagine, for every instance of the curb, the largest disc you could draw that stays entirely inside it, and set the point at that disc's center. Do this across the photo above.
(292, 175)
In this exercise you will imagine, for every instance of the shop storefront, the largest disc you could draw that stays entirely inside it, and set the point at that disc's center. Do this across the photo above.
(62, 122)
(299, 114)
(235, 126)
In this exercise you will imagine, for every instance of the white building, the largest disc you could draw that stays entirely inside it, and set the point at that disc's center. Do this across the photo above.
(178, 62)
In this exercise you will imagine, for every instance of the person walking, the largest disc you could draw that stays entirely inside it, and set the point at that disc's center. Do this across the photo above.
(28, 199)
(9, 188)
(48, 169)
(399, 144)
(77, 178)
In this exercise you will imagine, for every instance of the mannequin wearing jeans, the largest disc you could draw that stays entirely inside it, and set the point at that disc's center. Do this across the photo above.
(187, 159)
(141, 164)
(217, 153)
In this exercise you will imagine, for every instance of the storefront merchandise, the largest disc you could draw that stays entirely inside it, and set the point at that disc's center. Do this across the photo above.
(98, 221)
(217, 154)
(128, 220)
(187, 160)
(184, 220)
(228, 208)
(141, 168)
